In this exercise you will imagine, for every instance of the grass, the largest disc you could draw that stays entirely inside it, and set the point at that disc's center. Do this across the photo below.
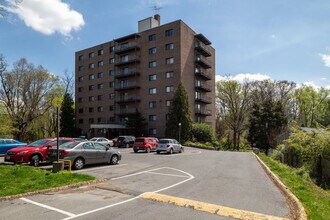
(19, 179)
(315, 200)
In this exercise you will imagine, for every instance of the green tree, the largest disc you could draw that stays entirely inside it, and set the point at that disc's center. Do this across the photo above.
(67, 116)
(179, 113)
(137, 123)
(202, 132)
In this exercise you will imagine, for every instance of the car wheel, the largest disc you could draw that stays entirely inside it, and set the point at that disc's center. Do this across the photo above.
(148, 150)
(181, 150)
(127, 145)
(78, 163)
(35, 160)
(135, 151)
(171, 151)
(114, 160)
(158, 152)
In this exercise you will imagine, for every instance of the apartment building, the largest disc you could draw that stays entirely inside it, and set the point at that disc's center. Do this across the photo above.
(139, 73)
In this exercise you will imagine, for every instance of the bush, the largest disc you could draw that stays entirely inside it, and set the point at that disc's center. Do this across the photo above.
(202, 132)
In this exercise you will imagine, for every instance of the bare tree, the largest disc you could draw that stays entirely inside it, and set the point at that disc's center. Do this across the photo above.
(26, 93)
(68, 83)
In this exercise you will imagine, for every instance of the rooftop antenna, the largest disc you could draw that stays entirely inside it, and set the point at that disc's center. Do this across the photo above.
(156, 8)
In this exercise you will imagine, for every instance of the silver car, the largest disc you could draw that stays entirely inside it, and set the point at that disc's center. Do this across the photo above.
(169, 146)
(103, 141)
(85, 152)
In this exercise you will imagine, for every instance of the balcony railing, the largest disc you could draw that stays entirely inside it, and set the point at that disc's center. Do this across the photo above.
(203, 74)
(204, 99)
(130, 72)
(130, 59)
(129, 111)
(203, 86)
(202, 48)
(203, 62)
(205, 112)
(126, 47)
(126, 86)
(126, 99)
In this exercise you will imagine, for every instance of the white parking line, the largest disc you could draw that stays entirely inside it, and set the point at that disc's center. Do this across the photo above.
(165, 174)
(99, 168)
(48, 207)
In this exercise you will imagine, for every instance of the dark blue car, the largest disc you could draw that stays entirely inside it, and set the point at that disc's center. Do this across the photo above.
(7, 144)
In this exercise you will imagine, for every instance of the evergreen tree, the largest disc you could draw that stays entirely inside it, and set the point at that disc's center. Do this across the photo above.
(67, 116)
(137, 123)
(179, 113)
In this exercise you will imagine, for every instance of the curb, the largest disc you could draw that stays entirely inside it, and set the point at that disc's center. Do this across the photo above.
(56, 189)
(297, 209)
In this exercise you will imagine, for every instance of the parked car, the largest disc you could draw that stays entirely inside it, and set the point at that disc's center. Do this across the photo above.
(35, 152)
(125, 141)
(114, 140)
(103, 141)
(7, 144)
(169, 146)
(146, 144)
(85, 152)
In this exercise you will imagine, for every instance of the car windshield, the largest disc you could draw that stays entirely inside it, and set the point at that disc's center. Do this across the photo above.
(38, 143)
(121, 139)
(139, 140)
(164, 141)
(69, 145)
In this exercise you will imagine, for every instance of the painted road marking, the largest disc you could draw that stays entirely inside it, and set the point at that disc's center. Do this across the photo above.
(210, 208)
(99, 168)
(48, 207)
(165, 174)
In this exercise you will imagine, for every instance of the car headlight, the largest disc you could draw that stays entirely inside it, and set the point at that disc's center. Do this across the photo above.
(21, 153)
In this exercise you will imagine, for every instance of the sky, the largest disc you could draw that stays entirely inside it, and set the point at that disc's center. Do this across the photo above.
(254, 39)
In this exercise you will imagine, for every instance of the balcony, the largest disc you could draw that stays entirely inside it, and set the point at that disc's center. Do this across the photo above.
(204, 99)
(203, 74)
(129, 60)
(127, 86)
(203, 39)
(202, 62)
(204, 112)
(203, 86)
(130, 72)
(129, 111)
(127, 99)
(201, 48)
(126, 47)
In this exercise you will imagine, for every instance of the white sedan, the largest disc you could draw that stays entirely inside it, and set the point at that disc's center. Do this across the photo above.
(102, 140)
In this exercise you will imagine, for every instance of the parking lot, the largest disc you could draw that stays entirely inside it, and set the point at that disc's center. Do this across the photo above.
(197, 184)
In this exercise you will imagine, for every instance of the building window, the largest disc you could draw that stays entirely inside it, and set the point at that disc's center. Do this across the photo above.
(91, 87)
(112, 84)
(81, 110)
(125, 70)
(124, 58)
(112, 96)
(112, 119)
(169, 74)
(169, 33)
(91, 66)
(152, 117)
(152, 64)
(81, 79)
(112, 60)
(198, 119)
(152, 91)
(169, 46)
(152, 50)
(91, 98)
(80, 89)
(99, 97)
(152, 37)
(91, 109)
(91, 120)
(111, 73)
(91, 55)
(169, 89)
(99, 120)
(111, 108)
(80, 68)
(91, 77)
(100, 63)
(81, 121)
(152, 104)
(168, 103)
(81, 57)
(100, 86)
(153, 77)
(100, 52)
(111, 49)
(152, 131)
(169, 60)
(100, 109)
(100, 75)
(80, 100)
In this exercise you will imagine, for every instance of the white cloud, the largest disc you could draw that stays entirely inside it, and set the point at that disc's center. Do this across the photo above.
(244, 77)
(47, 17)
(325, 59)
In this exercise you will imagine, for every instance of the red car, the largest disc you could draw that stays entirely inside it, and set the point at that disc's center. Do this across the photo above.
(35, 152)
(146, 144)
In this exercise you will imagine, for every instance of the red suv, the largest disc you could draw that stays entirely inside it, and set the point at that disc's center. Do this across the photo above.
(35, 152)
(146, 144)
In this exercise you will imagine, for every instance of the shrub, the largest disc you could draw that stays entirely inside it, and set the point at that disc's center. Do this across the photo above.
(202, 132)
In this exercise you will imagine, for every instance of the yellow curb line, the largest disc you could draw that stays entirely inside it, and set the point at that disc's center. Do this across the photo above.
(297, 208)
(210, 208)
